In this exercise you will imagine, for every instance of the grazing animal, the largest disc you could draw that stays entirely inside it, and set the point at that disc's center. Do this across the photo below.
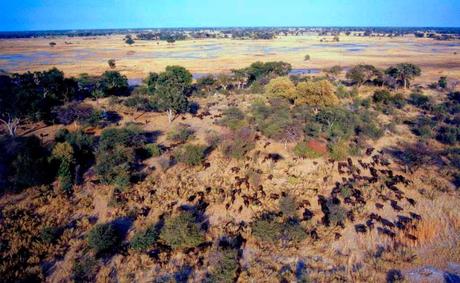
(274, 196)
(369, 151)
(314, 235)
(415, 216)
(206, 165)
(386, 222)
(370, 224)
(307, 214)
(395, 206)
(379, 205)
(360, 228)
(411, 237)
(337, 236)
(386, 231)
(411, 201)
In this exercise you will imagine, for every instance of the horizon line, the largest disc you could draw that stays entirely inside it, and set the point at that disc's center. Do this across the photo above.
(224, 27)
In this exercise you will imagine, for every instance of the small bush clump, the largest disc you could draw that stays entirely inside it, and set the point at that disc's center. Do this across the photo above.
(181, 232)
(103, 238)
(143, 240)
(190, 154)
(303, 150)
(84, 270)
(181, 134)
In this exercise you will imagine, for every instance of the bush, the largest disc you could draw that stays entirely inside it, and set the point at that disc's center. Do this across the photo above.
(267, 230)
(181, 232)
(103, 238)
(339, 150)
(420, 100)
(233, 118)
(294, 232)
(191, 155)
(448, 134)
(303, 150)
(225, 267)
(181, 134)
(115, 166)
(84, 270)
(281, 87)
(143, 240)
(50, 235)
(336, 213)
(287, 206)
(319, 93)
(153, 150)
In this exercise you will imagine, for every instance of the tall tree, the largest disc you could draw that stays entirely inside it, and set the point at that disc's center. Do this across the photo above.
(404, 72)
(172, 88)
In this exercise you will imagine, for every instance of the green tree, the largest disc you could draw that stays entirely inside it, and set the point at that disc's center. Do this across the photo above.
(112, 83)
(361, 74)
(404, 72)
(103, 238)
(181, 232)
(64, 154)
(172, 88)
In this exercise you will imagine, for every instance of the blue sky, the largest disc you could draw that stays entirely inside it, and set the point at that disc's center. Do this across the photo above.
(85, 14)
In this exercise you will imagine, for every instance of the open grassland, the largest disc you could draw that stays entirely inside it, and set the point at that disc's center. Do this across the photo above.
(90, 55)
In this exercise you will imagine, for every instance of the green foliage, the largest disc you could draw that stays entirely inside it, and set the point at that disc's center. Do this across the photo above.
(362, 74)
(336, 213)
(404, 73)
(267, 230)
(144, 240)
(24, 163)
(339, 150)
(171, 89)
(233, 118)
(420, 100)
(303, 150)
(319, 93)
(114, 166)
(225, 266)
(153, 150)
(112, 83)
(84, 270)
(182, 133)
(190, 154)
(288, 206)
(103, 238)
(141, 103)
(449, 134)
(259, 70)
(181, 232)
(50, 235)
(442, 83)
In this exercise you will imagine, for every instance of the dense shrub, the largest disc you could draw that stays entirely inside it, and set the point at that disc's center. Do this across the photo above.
(103, 238)
(115, 166)
(320, 93)
(339, 150)
(225, 266)
(288, 206)
(448, 134)
(23, 163)
(143, 240)
(233, 118)
(181, 232)
(336, 213)
(153, 150)
(302, 149)
(420, 100)
(144, 103)
(50, 234)
(267, 230)
(181, 133)
(281, 87)
(190, 154)
(84, 270)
